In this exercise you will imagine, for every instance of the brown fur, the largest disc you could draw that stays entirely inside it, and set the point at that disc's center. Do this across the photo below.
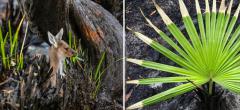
(57, 55)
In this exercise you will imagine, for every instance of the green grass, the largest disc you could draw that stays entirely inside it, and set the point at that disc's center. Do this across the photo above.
(9, 47)
(204, 56)
(72, 42)
(21, 57)
(97, 77)
(14, 42)
(4, 57)
(94, 74)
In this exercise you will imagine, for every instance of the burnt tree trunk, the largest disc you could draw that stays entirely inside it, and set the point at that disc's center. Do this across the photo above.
(113, 6)
(97, 28)
(100, 32)
(45, 15)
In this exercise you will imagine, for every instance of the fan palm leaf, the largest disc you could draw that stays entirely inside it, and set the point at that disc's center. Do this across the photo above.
(208, 53)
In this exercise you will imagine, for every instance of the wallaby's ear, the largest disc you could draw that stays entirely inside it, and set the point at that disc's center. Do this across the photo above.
(60, 34)
(52, 39)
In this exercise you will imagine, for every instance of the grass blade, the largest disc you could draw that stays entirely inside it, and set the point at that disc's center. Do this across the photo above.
(15, 39)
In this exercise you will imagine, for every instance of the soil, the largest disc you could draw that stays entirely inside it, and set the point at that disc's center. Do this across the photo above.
(135, 48)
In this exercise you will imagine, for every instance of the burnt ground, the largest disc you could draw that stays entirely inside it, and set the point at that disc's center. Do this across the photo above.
(135, 48)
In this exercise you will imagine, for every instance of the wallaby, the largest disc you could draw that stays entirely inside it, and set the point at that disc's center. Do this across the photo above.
(58, 51)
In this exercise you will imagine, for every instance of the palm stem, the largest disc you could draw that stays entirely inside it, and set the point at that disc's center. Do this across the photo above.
(210, 87)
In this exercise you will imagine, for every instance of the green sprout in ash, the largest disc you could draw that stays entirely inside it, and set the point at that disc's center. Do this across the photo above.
(75, 45)
(211, 56)
(11, 54)
(81, 60)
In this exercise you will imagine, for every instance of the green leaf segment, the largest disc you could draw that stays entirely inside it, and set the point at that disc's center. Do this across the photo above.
(209, 54)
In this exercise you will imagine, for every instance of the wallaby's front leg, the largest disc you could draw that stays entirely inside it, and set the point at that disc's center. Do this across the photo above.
(53, 78)
(61, 70)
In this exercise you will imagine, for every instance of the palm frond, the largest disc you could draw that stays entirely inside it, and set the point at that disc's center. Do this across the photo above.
(209, 54)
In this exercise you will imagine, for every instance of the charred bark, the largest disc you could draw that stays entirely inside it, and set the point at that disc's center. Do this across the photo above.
(101, 32)
(113, 6)
(44, 16)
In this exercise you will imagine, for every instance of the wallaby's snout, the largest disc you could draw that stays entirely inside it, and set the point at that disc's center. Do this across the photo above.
(65, 50)
(72, 53)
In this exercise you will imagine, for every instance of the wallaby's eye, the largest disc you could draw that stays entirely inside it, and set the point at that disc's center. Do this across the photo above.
(66, 48)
